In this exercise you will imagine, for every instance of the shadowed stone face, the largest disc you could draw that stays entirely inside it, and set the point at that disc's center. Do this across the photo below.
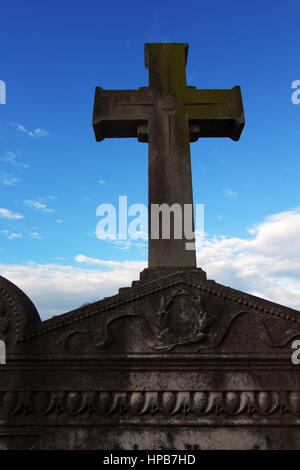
(168, 115)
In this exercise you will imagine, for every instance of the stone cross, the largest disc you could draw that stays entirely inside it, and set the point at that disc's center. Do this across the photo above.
(168, 115)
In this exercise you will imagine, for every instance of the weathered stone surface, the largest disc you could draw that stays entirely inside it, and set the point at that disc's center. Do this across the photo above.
(177, 362)
(169, 115)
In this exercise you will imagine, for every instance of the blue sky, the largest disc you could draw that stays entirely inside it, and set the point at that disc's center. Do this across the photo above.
(53, 174)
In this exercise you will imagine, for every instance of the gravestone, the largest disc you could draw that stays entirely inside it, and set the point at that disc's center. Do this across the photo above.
(176, 361)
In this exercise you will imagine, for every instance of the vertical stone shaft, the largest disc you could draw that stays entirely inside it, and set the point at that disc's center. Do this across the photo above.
(170, 179)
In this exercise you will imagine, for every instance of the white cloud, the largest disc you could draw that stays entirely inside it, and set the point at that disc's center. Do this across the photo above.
(266, 264)
(122, 265)
(102, 182)
(39, 206)
(36, 235)
(55, 288)
(140, 243)
(35, 133)
(12, 235)
(7, 214)
(122, 244)
(40, 132)
(8, 180)
(12, 157)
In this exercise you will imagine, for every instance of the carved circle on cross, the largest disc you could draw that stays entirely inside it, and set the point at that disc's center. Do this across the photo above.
(169, 102)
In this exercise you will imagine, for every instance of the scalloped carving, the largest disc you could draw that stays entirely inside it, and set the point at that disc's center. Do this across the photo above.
(138, 403)
(4, 322)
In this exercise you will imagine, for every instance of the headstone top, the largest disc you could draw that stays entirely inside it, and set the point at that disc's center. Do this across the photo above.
(169, 115)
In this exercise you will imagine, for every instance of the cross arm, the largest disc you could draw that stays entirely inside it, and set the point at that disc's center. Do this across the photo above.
(119, 113)
(214, 113)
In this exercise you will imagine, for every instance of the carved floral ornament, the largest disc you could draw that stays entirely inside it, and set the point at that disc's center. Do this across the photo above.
(181, 319)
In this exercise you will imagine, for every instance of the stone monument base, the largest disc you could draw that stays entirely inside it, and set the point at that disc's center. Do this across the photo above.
(174, 362)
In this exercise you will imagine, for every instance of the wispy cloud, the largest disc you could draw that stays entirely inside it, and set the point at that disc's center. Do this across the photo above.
(120, 244)
(8, 180)
(7, 214)
(231, 193)
(36, 235)
(102, 182)
(40, 132)
(12, 235)
(124, 265)
(140, 244)
(39, 206)
(35, 133)
(13, 158)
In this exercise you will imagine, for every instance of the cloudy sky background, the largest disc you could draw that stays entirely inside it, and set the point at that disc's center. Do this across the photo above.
(53, 174)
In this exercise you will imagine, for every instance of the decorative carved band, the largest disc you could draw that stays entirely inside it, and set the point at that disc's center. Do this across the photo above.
(196, 403)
